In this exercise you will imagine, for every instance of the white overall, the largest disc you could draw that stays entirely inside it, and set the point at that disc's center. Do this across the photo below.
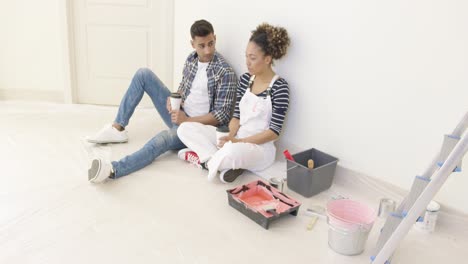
(255, 116)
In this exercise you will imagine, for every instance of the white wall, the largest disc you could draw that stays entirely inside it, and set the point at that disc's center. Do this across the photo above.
(375, 83)
(31, 48)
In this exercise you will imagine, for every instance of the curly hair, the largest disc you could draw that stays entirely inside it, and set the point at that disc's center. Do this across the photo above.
(274, 41)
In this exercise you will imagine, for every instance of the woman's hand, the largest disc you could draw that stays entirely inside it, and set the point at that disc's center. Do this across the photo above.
(223, 140)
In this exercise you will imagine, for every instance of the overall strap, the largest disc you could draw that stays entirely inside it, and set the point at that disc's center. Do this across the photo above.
(251, 81)
(273, 80)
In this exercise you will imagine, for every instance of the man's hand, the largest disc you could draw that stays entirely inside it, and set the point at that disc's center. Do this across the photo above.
(178, 117)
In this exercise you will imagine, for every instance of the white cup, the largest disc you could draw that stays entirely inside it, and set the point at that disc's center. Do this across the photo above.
(176, 99)
(221, 131)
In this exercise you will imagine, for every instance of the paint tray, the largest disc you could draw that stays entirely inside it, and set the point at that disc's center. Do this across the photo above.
(261, 202)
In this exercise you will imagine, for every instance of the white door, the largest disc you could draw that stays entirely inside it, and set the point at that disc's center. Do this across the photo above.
(113, 39)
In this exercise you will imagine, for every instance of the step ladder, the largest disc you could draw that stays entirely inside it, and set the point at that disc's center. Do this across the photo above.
(424, 188)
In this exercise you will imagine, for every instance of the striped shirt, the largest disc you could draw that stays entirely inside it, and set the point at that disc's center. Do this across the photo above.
(279, 101)
(222, 82)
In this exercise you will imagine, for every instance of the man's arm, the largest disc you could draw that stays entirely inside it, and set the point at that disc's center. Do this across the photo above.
(178, 117)
(225, 97)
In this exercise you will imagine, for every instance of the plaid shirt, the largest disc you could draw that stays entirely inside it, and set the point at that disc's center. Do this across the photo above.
(222, 82)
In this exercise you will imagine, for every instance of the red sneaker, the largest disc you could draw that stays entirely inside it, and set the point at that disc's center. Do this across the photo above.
(190, 156)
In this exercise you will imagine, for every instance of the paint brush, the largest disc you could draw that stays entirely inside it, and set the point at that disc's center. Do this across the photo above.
(288, 155)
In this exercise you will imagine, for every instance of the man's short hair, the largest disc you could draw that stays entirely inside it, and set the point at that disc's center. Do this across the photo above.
(201, 28)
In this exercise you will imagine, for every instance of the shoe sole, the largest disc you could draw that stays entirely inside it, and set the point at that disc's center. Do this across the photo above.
(231, 175)
(106, 142)
(93, 172)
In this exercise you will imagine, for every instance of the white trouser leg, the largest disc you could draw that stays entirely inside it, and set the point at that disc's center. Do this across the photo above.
(199, 138)
(241, 156)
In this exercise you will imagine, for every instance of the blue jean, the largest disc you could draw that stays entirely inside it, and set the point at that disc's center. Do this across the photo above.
(143, 81)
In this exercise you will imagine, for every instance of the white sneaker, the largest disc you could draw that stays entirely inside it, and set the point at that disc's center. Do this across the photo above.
(109, 134)
(99, 171)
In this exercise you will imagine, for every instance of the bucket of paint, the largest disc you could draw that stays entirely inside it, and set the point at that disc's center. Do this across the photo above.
(349, 225)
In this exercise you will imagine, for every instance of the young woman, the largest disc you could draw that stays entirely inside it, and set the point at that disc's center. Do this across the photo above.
(261, 106)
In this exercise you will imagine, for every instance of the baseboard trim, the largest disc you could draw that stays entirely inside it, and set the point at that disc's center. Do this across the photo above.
(349, 177)
(32, 95)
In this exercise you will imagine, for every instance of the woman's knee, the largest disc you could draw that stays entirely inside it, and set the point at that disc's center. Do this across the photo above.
(183, 129)
(186, 129)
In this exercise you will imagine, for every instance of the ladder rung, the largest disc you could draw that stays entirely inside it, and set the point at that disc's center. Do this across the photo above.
(453, 149)
(457, 169)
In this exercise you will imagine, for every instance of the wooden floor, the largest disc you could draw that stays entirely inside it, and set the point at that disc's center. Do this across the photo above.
(166, 213)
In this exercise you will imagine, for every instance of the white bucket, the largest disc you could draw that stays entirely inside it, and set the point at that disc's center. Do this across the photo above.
(349, 224)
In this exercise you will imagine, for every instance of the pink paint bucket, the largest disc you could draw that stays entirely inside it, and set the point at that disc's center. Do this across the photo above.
(349, 225)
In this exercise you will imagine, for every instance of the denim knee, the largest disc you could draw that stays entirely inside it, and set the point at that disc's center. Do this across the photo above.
(164, 141)
(160, 142)
(142, 73)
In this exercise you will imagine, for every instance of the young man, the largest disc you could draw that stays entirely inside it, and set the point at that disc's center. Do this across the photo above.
(207, 89)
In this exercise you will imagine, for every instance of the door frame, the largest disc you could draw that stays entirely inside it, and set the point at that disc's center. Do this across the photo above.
(68, 46)
(67, 21)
